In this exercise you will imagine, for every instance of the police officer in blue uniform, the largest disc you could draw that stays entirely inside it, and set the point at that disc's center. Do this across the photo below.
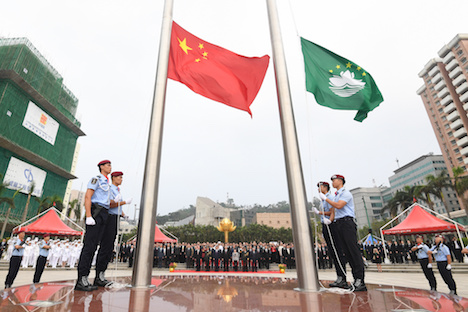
(44, 247)
(110, 228)
(441, 254)
(328, 215)
(425, 261)
(97, 203)
(345, 230)
(15, 260)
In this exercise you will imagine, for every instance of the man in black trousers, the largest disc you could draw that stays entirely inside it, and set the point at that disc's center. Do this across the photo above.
(44, 247)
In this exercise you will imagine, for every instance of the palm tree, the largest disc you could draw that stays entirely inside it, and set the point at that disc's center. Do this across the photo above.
(57, 202)
(403, 199)
(11, 204)
(44, 204)
(425, 192)
(77, 211)
(438, 183)
(71, 208)
(461, 185)
(25, 212)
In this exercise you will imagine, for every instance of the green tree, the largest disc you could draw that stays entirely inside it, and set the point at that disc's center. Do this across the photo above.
(460, 181)
(71, 207)
(402, 199)
(424, 192)
(57, 202)
(44, 204)
(10, 201)
(438, 183)
(31, 190)
(77, 211)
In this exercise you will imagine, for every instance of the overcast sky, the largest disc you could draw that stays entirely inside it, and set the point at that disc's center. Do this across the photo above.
(107, 52)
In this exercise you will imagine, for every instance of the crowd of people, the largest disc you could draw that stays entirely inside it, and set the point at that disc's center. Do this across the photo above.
(217, 256)
(62, 253)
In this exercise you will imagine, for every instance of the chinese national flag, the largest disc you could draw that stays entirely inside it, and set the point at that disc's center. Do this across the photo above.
(214, 72)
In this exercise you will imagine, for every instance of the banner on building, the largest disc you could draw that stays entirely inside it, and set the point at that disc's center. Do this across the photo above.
(40, 123)
(20, 175)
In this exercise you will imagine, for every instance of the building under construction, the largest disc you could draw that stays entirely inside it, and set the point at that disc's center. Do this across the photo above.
(38, 128)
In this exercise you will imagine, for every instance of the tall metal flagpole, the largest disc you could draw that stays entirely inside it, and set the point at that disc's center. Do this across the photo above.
(142, 268)
(305, 256)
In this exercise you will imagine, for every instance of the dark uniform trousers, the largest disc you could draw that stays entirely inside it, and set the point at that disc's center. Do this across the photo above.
(40, 265)
(446, 275)
(428, 272)
(15, 262)
(93, 236)
(345, 238)
(326, 231)
(106, 245)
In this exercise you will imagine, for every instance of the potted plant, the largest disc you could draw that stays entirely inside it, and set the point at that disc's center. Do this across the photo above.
(172, 266)
(282, 267)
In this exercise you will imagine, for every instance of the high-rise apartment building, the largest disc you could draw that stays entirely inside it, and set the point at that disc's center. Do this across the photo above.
(445, 97)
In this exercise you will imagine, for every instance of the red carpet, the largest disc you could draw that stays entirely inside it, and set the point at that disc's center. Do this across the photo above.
(249, 272)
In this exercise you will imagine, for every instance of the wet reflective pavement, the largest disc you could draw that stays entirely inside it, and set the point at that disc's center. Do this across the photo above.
(221, 293)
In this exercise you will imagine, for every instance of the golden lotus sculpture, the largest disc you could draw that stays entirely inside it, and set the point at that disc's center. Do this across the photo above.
(226, 226)
(227, 292)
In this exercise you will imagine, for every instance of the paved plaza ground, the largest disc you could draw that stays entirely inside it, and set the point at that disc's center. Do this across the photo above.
(413, 280)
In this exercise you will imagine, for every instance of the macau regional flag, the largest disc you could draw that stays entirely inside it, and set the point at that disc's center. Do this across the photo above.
(339, 83)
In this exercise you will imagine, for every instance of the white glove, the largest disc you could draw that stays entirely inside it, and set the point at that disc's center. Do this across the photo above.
(128, 201)
(322, 196)
(316, 211)
(90, 221)
(429, 265)
(126, 217)
(118, 198)
(326, 221)
(420, 246)
(434, 252)
(448, 267)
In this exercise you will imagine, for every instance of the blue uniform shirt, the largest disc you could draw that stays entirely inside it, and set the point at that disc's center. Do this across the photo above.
(326, 206)
(101, 188)
(442, 252)
(115, 191)
(43, 251)
(18, 252)
(421, 253)
(348, 209)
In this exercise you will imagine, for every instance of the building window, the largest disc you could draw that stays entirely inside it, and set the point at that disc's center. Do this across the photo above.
(374, 205)
(374, 197)
(446, 126)
(456, 150)
(443, 118)
(278, 222)
(453, 142)
(431, 88)
(463, 60)
(450, 134)
(459, 52)
(437, 102)
(441, 110)
(460, 159)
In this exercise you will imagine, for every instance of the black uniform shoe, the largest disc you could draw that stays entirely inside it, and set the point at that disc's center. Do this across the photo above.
(100, 280)
(340, 282)
(433, 289)
(453, 292)
(83, 284)
(7, 286)
(359, 285)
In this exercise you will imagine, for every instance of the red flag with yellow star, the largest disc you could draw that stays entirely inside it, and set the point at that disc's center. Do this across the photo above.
(214, 72)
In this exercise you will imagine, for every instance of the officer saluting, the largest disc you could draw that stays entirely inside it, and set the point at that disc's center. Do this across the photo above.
(441, 254)
(97, 200)
(345, 230)
(44, 247)
(425, 261)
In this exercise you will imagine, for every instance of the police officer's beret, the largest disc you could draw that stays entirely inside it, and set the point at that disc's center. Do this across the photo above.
(20, 231)
(104, 162)
(323, 183)
(116, 173)
(46, 235)
(338, 176)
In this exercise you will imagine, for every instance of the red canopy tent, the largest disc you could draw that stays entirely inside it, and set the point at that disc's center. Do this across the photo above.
(420, 221)
(159, 237)
(49, 223)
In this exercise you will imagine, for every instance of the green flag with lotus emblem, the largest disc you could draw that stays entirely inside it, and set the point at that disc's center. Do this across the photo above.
(339, 83)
